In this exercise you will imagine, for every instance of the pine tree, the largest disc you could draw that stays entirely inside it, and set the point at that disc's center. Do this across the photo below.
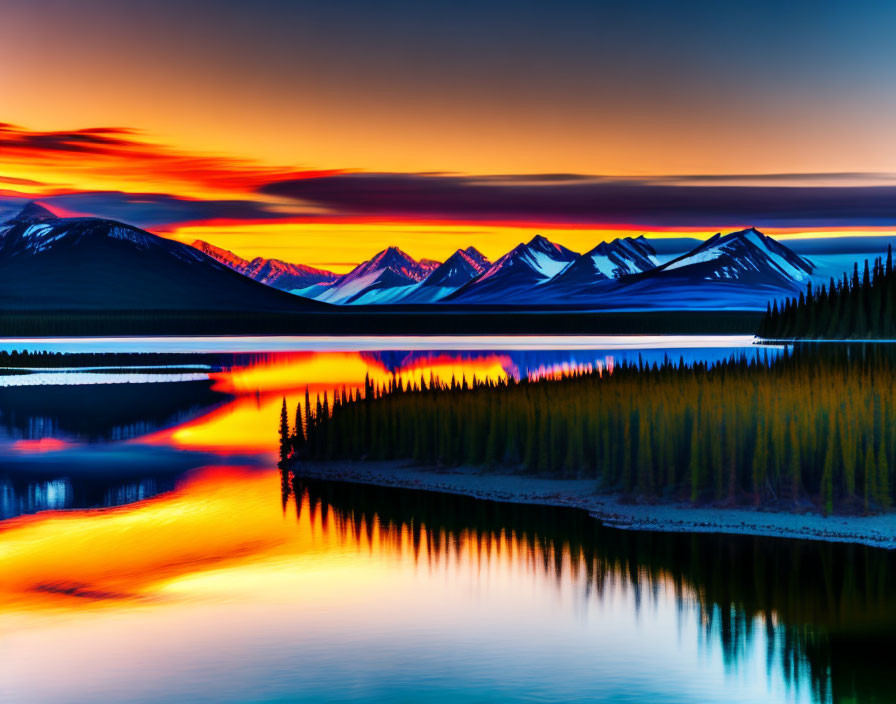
(284, 433)
(298, 433)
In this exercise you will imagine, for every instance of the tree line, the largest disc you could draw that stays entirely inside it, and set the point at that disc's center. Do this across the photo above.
(856, 307)
(800, 429)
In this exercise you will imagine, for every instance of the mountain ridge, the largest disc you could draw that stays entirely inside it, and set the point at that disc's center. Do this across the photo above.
(53, 263)
(283, 275)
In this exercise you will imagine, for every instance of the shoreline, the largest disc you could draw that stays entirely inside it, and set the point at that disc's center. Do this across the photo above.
(874, 531)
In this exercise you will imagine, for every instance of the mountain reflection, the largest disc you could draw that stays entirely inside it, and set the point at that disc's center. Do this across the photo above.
(826, 611)
(102, 412)
(20, 495)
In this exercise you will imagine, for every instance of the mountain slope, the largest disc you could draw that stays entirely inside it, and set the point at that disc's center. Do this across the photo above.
(608, 261)
(460, 268)
(742, 270)
(378, 280)
(51, 263)
(271, 272)
(517, 272)
(747, 256)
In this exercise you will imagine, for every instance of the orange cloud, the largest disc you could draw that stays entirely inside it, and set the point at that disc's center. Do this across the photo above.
(117, 158)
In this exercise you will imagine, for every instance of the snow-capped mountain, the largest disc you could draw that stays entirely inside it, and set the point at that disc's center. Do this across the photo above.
(272, 272)
(522, 268)
(47, 262)
(739, 271)
(747, 256)
(609, 261)
(461, 267)
(458, 269)
(382, 279)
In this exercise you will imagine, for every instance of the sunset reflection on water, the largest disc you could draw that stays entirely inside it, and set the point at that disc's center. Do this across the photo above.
(245, 423)
(219, 578)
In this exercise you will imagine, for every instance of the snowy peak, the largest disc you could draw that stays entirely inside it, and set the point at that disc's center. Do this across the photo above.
(539, 259)
(28, 237)
(373, 280)
(286, 276)
(461, 267)
(397, 261)
(477, 257)
(50, 263)
(623, 256)
(271, 272)
(526, 266)
(747, 256)
(611, 260)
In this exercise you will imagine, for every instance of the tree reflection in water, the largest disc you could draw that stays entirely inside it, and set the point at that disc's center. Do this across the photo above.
(828, 610)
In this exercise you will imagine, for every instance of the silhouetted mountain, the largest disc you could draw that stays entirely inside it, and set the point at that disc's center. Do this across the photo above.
(271, 272)
(34, 212)
(51, 263)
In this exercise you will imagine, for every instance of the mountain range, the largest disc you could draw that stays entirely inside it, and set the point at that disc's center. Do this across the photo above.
(84, 263)
(271, 272)
(743, 269)
(53, 263)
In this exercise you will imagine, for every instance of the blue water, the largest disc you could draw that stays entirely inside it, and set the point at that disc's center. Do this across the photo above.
(185, 567)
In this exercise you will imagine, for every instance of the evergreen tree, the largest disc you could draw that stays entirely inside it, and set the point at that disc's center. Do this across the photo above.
(285, 442)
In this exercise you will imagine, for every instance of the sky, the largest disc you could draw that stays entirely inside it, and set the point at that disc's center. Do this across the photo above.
(322, 132)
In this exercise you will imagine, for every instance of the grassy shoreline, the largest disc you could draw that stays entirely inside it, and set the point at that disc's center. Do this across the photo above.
(672, 517)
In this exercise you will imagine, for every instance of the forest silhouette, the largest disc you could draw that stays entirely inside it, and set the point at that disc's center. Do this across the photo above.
(807, 428)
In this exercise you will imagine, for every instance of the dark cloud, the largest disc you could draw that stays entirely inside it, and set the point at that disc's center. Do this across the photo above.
(594, 200)
(149, 210)
(92, 140)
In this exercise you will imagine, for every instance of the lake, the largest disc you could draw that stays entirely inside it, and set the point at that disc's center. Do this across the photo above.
(152, 552)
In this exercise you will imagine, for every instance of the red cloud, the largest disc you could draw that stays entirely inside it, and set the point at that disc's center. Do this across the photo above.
(112, 150)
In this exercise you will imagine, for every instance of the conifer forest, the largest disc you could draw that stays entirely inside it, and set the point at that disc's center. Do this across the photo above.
(804, 428)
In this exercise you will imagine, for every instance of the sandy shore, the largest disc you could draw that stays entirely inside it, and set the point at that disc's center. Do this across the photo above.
(876, 531)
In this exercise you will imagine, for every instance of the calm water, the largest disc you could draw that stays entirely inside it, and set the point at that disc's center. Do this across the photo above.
(185, 567)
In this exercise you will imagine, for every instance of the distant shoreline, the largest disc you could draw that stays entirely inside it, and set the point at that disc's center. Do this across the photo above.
(874, 531)
(378, 320)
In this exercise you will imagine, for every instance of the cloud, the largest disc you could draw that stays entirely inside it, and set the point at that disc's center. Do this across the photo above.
(95, 140)
(595, 200)
(124, 154)
(153, 211)
(116, 172)
(159, 210)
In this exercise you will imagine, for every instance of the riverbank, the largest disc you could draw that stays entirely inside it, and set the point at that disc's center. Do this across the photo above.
(875, 531)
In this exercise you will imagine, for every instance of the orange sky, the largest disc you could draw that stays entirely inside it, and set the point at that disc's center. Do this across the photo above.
(193, 103)
(124, 166)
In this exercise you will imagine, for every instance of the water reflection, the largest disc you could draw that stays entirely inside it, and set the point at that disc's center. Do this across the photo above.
(245, 584)
(825, 613)
(24, 494)
(33, 496)
(344, 592)
(102, 412)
